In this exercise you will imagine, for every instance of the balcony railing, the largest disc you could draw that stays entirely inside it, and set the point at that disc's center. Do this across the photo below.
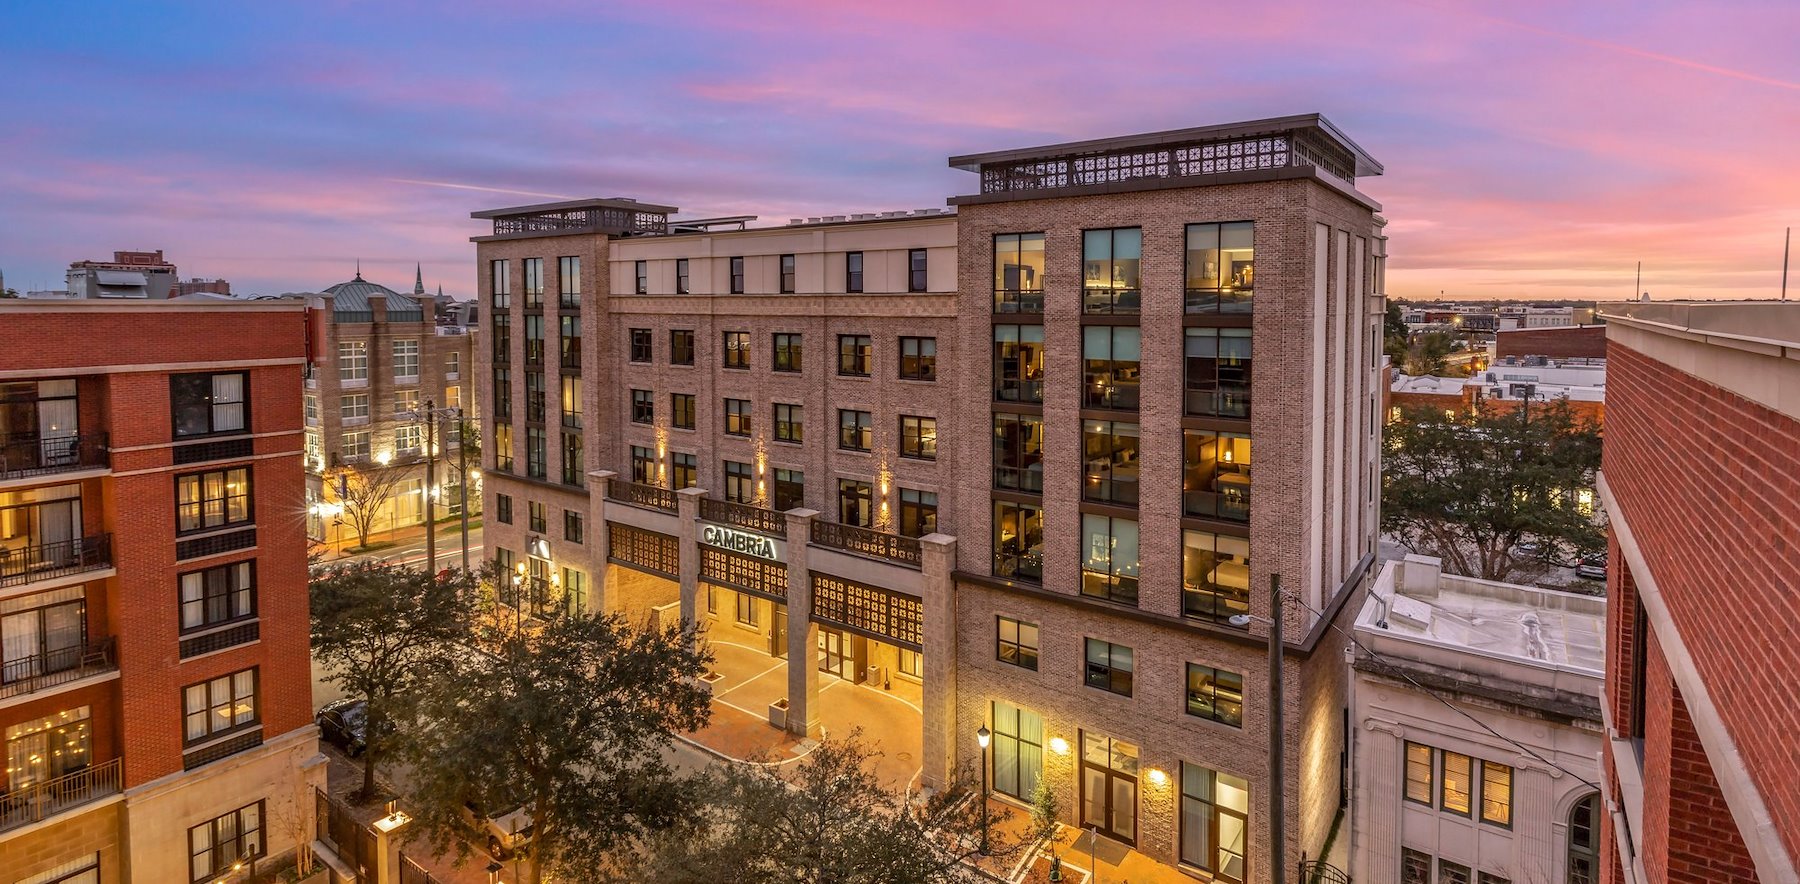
(1231, 504)
(1221, 402)
(1028, 479)
(22, 807)
(743, 515)
(896, 548)
(647, 496)
(28, 675)
(1125, 301)
(1018, 301)
(31, 454)
(1219, 301)
(29, 563)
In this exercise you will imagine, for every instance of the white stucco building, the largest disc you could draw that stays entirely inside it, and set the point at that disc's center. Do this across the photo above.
(1476, 719)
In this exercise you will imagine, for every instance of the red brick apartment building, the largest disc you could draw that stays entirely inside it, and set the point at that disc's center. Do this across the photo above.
(155, 704)
(996, 463)
(1702, 760)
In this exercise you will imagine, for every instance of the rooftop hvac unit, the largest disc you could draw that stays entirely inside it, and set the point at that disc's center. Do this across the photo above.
(899, 214)
(865, 216)
(812, 220)
(833, 219)
(927, 211)
(796, 220)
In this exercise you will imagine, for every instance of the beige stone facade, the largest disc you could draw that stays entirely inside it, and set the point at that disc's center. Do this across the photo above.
(1313, 331)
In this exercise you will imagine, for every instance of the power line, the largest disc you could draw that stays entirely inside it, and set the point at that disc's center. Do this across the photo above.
(1400, 671)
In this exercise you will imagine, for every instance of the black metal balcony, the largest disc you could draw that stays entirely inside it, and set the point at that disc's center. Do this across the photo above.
(26, 564)
(896, 548)
(743, 515)
(39, 801)
(30, 454)
(647, 496)
(28, 675)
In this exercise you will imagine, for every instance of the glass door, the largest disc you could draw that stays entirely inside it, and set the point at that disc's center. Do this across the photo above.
(831, 652)
(1109, 786)
(778, 633)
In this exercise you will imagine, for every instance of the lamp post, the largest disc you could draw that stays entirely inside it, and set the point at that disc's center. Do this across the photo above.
(1277, 749)
(983, 736)
(430, 416)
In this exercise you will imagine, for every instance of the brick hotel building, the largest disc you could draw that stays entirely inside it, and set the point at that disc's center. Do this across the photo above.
(1702, 762)
(155, 703)
(995, 463)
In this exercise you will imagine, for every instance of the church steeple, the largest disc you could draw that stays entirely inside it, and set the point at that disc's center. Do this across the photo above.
(418, 279)
(358, 270)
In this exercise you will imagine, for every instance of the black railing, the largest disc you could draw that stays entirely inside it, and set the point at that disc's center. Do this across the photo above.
(1013, 390)
(896, 548)
(28, 563)
(1028, 479)
(1318, 871)
(32, 454)
(1219, 300)
(1011, 301)
(1223, 402)
(743, 515)
(28, 675)
(24, 806)
(653, 497)
(1111, 300)
(1231, 504)
(1214, 602)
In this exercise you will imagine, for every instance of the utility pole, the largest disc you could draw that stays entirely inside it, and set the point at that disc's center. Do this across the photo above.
(462, 466)
(430, 489)
(1786, 241)
(1277, 754)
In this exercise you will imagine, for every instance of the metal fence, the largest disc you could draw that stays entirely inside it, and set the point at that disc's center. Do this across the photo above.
(413, 873)
(352, 841)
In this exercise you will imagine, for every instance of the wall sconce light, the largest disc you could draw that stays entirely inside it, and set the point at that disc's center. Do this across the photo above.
(1157, 777)
(1059, 745)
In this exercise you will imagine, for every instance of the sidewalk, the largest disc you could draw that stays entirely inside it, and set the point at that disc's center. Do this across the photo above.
(383, 544)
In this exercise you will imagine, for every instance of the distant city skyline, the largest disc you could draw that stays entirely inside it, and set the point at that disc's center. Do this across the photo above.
(1533, 150)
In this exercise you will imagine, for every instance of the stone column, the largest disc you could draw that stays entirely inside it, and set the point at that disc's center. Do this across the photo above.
(802, 633)
(1378, 779)
(603, 596)
(687, 511)
(937, 587)
(1534, 814)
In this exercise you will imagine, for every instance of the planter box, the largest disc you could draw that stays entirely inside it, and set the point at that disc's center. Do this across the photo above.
(778, 714)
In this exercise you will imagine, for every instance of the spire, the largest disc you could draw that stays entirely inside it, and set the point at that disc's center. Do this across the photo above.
(358, 270)
(418, 279)
(440, 291)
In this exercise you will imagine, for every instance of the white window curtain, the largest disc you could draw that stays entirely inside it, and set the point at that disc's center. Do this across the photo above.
(228, 402)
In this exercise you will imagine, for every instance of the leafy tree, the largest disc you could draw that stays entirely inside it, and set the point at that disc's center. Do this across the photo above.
(1427, 355)
(1044, 811)
(9, 293)
(1468, 488)
(569, 722)
(829, 821)
(380, 630)
(1395, 336)
(363, 491)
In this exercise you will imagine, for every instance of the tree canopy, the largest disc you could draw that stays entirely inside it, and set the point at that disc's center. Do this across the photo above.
(381, 631)
(1469, 487)
(569, 722)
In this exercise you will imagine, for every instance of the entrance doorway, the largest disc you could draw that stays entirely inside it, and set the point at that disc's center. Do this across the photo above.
(778, 633)
(1109, 786)
(842, 654)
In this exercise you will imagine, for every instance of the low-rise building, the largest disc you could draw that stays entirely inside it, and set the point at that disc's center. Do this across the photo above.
(1563, 342)
(1477, 730)
(1509, 384)
(127, 275)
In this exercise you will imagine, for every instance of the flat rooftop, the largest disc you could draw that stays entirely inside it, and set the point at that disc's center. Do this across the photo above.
(1774, 323)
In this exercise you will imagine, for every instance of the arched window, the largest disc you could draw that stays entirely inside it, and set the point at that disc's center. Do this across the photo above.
(1584, 836)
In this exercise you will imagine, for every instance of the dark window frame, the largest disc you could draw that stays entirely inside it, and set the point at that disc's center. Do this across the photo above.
(682, 284)
(737, 274)
(917, 267)
(858, 361)
(209, 404)
(1017, 645)
(923, 365)
(1198, 707)
(573, 528)
(853, 272)
(221, 861)
(788, 274)
(738, 412)
(789, 352)
(856, 430)
(681, 341)
(642, 346)
(641, 272)
(1107, 676)
(682, 405)
(229, 593)
(212, 704)
(914, 444)
(249, 496)
(735, 347)
(643, 406)
(789, 422)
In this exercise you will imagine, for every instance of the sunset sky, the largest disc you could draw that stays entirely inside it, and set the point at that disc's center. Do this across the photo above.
(1533, 149)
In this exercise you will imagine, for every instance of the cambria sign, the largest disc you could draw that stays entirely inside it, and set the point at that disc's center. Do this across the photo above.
(743, 542)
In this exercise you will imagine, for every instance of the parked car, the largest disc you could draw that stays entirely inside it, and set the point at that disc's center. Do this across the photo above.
(1528, 549)
(506, 831)
(344, 724)
(1592, 567)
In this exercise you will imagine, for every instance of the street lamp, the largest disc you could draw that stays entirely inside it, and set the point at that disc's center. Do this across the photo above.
(983, 736)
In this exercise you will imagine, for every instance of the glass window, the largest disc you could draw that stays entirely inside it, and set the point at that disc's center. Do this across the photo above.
(918, 437)
(406, 360)
(1110, 356)
(747, 613)
(1218, 372)
(643, 406)
(1019, 363)
(853, 271)
(216, 847)
(1215, 475)
(573, 464)
(1018, 750)
(213, 403)
(1215, 694)
(1419, 782)
(536, 459)
(915, 270)
(787, 274)
(737, 276)
(1452, 873)
(685, 471)
(535, 517)
(568, 280)
(787, 352)
(1458, 783)
(739, 486)
(1109, 564)
(534, 339)
(1109, 667)
(641, 271)
(1215, 575)
(570, 339)
(219, 706)
(1110, 452)
(534, 282)
(502, 336)
(856, 430)
(1215, 811)
(1584, 842)
(918, 512)
(1018, 541)
(1109, 274)
(681, 346)
(503, 392)
(682, 407)
(503, 446)
(405, 403)
(855, 354)
(1415, 866)
(534, 396)
(790, 489)
(571, 401)
(737, 417)
(354, 446)
(409, 440)
(737, 349)
(1496, 794)
(212, 500)
(854, 503)
(1017, 642)
(918, 359)
(681, 276)
(640, 345)
(790, 423)
(573, 530)
(1019, 273)
(353, 360)
(500, 284)
(643, 466)
(1019, 453)
(1221, 267)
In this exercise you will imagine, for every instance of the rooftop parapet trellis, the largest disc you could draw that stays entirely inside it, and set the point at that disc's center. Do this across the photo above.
(617, 217)
(1120, 163)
